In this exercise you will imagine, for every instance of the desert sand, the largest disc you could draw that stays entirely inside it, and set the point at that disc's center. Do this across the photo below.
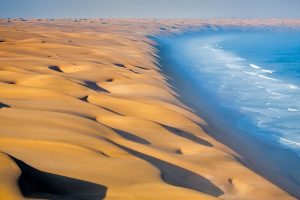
(85, 113)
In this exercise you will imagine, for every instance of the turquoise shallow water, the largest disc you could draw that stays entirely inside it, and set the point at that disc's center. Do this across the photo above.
(250, 79)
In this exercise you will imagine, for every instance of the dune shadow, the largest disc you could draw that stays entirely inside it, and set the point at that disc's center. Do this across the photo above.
(187, 135)
(9, 82)
(178, 176)
(111, 111)
(55, 68)
(119, 65)
(163, 29)
(37, 184)
(94, 86)
(144, 68)
(135, 71)
(130, 136)
(3, 105)
(85, 99)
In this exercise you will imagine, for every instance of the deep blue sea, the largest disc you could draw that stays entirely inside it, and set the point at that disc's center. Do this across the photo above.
(250, 78)
(265, 83)
(253, 73)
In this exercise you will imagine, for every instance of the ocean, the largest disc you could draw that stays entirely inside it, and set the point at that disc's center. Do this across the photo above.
(249, 78)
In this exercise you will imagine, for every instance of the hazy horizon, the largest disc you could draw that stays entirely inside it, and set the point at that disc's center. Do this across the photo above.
(150, 9)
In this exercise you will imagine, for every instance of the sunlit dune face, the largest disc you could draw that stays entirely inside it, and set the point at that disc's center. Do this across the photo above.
(84, 103)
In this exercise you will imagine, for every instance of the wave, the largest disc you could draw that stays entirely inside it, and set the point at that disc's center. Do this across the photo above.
(289, 142)
(255, 66)
(268, 102)
(293, 109)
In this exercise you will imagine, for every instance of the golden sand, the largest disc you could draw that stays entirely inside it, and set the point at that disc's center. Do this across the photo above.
(85, 113)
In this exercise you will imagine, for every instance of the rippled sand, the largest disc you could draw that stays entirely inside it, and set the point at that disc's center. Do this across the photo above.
(85, 113)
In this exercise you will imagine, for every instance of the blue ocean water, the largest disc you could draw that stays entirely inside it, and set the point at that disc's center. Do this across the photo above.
(255, 74)
(268, 66)
(245, 82)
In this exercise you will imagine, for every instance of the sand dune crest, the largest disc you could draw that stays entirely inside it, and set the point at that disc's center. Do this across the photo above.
(85, 113)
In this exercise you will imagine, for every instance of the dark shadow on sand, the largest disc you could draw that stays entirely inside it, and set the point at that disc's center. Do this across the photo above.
(178, 176)
(94, 86)
(37, 184)
(84, 99)
(119, 65)
(55, 68)
(3, 105)
(130, 136)
(187, 135)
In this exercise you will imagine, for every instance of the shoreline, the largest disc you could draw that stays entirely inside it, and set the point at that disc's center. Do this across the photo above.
(256, 155)
(84, 103)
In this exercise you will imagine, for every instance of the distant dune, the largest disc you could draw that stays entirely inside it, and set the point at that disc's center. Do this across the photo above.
(85, 113)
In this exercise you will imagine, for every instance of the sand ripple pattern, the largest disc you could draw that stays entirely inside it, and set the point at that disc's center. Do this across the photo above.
(86, 114)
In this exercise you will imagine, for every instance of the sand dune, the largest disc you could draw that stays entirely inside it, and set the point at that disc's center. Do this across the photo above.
(85, 113)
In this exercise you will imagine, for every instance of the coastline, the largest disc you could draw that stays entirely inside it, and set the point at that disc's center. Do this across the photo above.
(84, 103)
(265, 159)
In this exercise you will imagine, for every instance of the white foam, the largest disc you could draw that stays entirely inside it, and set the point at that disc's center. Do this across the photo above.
(292, 110)
(263, 70)
(286, 141)
(267, 71)
(251, 73)
(255, 66)
(266, 77)
(259, 75)
(293, 86)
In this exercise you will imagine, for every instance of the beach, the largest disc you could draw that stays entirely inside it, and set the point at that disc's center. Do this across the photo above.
(86, 112)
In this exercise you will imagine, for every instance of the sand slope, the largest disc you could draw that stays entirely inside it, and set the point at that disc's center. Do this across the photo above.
(86, 114)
